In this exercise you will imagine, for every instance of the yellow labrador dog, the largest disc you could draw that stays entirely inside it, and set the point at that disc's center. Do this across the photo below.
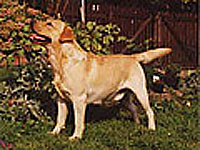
(85, 78)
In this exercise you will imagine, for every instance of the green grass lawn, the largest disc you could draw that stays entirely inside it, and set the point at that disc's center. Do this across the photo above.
(177, 129)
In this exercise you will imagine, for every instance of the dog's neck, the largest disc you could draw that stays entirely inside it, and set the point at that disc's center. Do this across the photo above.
(70, 52)
(73, 51)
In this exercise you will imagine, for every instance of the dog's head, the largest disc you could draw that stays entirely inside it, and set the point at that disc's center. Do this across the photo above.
(53, 31)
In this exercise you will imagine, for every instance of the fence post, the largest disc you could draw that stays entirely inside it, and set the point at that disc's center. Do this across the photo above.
(82, 11)
(57, 5)
(142, 27)
(157, 29)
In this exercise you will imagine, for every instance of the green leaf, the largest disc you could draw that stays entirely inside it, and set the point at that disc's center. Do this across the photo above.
(26, 28)
(78, 25)
(130, 41)
(10, 58)
(130, 46)
(14, 34)
(90, 25)
(106, 51)
(12, 46)
(108, 39)
(43, 49)
(97, 46)
(109, 26)
(21, 52)
(121, 38)
(37, 47)
(2, 19)
(111, 38)
(100, 28)
(97, 35)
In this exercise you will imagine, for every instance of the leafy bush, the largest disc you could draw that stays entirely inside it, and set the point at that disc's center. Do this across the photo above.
(186, 90)
(97, 38)
(103, 39)
(25, 77)
(15, 30)
(169, 75)
(189, 86)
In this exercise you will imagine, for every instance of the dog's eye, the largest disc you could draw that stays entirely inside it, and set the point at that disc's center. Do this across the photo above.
(49, 24)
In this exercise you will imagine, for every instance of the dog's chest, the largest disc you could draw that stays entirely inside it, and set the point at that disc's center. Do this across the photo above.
(57, 69)
(66, 80)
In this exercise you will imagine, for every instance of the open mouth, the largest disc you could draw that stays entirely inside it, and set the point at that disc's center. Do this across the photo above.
(40, 39)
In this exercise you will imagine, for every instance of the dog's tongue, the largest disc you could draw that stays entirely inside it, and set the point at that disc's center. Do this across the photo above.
(36, 37)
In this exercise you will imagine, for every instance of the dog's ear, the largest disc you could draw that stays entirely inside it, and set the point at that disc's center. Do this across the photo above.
(67, 35)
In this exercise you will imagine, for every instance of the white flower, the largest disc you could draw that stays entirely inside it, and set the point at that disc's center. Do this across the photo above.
(156, 78)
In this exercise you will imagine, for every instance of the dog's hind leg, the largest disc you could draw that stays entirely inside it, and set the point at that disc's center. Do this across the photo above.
(138, 85)
(61, 117)
(142, 95)
(128, 104)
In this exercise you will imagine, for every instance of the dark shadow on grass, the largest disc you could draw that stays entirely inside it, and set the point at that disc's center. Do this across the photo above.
(99, 112)
(95, 113)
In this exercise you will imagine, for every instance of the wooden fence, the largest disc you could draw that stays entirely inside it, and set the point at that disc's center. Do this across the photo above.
(177, 30)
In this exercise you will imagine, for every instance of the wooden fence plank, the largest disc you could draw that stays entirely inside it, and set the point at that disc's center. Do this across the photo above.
(142, 27)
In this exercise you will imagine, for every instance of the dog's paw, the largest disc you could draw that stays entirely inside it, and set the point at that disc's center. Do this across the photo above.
(56, 130)
(152, 128)
(52, 133)
(74, 138)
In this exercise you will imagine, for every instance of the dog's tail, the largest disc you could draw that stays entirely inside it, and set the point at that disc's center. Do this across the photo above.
(150, 55)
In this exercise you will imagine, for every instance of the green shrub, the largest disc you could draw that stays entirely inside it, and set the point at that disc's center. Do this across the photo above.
(103, 39)
(25, 78)
(189, 86)
(98, 39)
(15, 30)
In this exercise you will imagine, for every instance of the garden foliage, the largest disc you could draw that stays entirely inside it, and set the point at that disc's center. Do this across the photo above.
(28, 97)
(24, 73)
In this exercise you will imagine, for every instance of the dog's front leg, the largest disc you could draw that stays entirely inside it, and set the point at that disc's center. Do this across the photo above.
(61, 117)
(79, 104)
